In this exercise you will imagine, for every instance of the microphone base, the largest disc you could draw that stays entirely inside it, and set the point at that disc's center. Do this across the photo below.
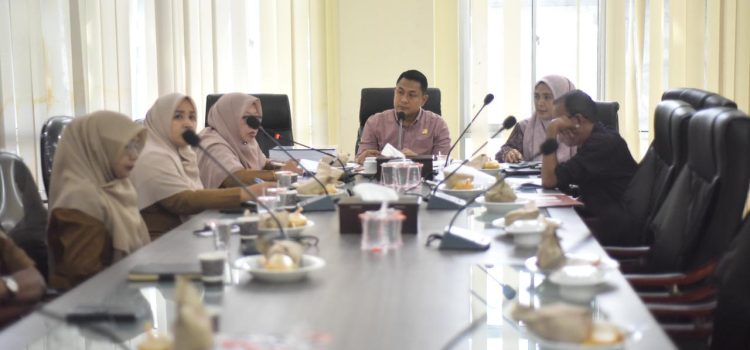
(442, 201)
(456, 238)
(322, 203)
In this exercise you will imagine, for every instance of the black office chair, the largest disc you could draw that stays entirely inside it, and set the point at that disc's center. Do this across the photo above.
(22, 214)
(376, 100)
(51, 133)
(731, 321)
(277, 119)
(607, 114)
(657, 171)
(699, 99)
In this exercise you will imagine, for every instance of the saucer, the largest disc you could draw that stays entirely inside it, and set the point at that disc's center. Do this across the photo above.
(252, 265)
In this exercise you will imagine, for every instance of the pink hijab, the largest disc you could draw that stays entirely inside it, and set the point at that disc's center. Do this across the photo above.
(222, 138)
(534, 133)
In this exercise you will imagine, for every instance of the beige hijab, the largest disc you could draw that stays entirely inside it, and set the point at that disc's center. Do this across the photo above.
(535, 132)
(82, 176)
(222, 138)
(164, 169)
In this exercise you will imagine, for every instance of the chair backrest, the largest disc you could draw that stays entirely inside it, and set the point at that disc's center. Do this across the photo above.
(607, 114)
(51, 133)
(659, 168)
(376, 100)
(277, 119)
(22, 214)
(699, 99)
(703, 209)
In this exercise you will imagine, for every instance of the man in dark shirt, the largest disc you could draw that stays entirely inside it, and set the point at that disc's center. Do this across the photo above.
(601, 169)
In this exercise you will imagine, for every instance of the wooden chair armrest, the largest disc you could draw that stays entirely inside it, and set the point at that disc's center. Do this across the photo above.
(704, 309)
(671, 279)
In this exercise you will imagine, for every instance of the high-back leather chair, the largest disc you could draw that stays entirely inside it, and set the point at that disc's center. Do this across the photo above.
(277, 119)
(703, 209)
(731, 324)
(659, 167)
(607, 114)
(376, 100)
(699, 99)
(22, 214)
(51, 133)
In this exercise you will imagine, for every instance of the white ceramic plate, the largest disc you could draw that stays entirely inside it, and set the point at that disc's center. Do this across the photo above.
(339, 193)
(252, 265)
(463, 194)
(290, 231)
(500, 223)
(502, 208)
(578, 276)
(605, 263)
(491, 172)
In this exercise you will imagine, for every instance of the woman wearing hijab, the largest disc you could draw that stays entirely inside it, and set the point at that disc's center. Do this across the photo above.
(166, 177)
(232, 142)
(528, 135)
(94, 219)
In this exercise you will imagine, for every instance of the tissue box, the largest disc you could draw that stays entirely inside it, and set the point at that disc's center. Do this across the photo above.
(425, 160)
(351, 207)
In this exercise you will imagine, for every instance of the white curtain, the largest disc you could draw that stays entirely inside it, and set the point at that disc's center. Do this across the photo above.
(60, 57)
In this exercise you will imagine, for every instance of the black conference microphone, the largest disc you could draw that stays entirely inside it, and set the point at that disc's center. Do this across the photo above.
(508, 123)
(192, 139)
(455, 238)
(278, 136)
(255, 124)
(547, 147)
(487, 100)
(401, 116)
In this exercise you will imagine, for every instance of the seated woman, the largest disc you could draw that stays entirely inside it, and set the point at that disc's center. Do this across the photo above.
(166, 177)
(94, 219)
(232, 142)
(529, 134)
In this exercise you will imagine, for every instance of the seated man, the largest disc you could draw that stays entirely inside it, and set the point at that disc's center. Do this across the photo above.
(424, 132)
(21, 285)
(601, 169)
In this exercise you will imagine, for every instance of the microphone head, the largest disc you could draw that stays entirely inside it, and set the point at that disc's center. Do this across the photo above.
(549, 146)
(488, 99)
(191, 138)
(401, 116)
(509, 122)
(253, 123)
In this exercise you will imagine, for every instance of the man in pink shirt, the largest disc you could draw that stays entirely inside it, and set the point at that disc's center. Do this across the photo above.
(424, 132)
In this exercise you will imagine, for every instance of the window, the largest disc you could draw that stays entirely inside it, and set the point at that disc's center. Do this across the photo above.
(516, 42)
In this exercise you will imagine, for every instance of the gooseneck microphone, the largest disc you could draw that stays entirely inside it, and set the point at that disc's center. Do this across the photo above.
(255, 124)
(487, 100)
(192, 139)
(508, 123)
(401, 116)
(547, 147)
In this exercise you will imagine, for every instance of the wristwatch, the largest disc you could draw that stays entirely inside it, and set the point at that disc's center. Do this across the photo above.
(11, 285)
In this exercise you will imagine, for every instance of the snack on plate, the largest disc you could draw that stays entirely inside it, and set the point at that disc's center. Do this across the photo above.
(282, 256)
(479, 161)
(493, 164)
(286, 219)
(529, 212)
(296, 219)
(463, 181)
(557, 322)
(500, 193)
(550, 254)
(604, 333)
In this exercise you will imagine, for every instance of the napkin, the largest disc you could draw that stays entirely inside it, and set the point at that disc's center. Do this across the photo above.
(500, 193)
(550, 254)
(371, 192)
(192, 329)
(557, 322)
(392, 152)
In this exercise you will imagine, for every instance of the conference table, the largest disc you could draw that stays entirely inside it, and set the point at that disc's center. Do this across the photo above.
(415, 297)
